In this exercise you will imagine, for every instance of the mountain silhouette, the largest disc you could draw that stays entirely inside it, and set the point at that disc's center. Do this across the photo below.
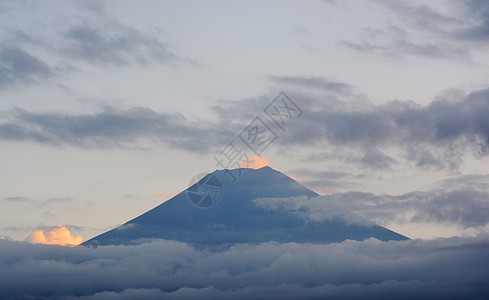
(246, 206)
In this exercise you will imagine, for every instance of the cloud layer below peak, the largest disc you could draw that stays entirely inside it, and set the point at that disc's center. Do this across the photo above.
(155, 269)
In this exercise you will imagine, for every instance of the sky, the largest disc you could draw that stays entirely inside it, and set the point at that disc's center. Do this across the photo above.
(109, 108)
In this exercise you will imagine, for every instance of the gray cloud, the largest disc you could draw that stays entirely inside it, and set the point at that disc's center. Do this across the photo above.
(38, 203)
(435, 136)
(104, 41)
(112, 128)
(17, 199)
(120, 45)
(18, 66)
(313, 209)
(325, 181)
(171, 270)
(432, 136)
(419, 15)
(314, 82)
(97, 40)
(321, 174)
(420, 30)
(400, 47)
(478, 14)
(455, 201)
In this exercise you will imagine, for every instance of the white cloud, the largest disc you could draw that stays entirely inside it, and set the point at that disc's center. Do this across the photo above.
(316, 209)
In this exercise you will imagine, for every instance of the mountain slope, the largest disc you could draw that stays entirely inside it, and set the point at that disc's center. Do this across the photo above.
(260, 206)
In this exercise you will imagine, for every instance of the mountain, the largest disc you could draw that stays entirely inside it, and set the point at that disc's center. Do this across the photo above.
(246, 206)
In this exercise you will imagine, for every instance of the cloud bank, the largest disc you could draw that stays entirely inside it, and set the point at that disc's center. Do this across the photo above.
(435, 136)
(461, 201)
(438, 269)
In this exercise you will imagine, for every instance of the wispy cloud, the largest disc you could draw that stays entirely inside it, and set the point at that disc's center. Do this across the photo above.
(97, 39)
(39, 203)
(422, 30)
(18, 66)
(315, 82)
(118, 45)
(112, 128)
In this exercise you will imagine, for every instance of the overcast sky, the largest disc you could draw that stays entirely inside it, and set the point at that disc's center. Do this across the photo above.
(109, 108)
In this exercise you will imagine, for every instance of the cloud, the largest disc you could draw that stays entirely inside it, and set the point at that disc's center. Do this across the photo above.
(18, 66)
(104, 41)
(41, 203)
(478, 30)
(315, 82)
(255, 162)
(91, 37)
(116, 45)
(434, 136)
(315, 209)
(419, 30)
(356, 132)
(456, 201)
(418, 15)
(59, 235)
(17, 199)
(437, 269)
(111, 128)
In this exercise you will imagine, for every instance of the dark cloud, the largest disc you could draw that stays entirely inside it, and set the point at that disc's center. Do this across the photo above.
(112, 128)
(478, 28)
(455, 201)
(18, 66)
(439, 269)
(432, 136)
(118, 45)
(98, 40)
(435, 136)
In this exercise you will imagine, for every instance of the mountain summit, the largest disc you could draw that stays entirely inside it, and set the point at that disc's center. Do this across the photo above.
(246, 206)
